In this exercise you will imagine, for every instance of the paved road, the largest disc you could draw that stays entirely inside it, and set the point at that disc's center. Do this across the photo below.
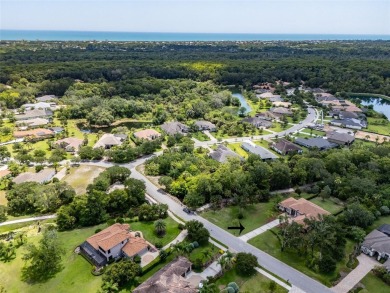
(28, 220)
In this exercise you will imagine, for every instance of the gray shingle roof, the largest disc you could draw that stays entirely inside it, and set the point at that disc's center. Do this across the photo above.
(316, 142)
(222, 153)
(378, 241)
(175, 127)
(258, 150)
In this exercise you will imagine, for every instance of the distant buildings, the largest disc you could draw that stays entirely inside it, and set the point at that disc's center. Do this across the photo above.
(205, 125)
(349, 123)
(316, 142)
(35, 113)
(40, 105)
(263, 153)
(32, 123)
(222, 154)
(281, 111)
(34, 134)
(281, 104)
(147, 134)
(172, 128)
(108, 140)
(46, 98)
(42, 176)
(285, 147)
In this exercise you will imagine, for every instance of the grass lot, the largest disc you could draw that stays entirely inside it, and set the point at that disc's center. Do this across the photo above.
(277, 127)
(236, 147)
(80, 177)
(254, 284)
(265, 144)
(254, 216)
(76, 271)
(147, 228)
(3, 200)
(7, 228)
(302, 135)
(313, 131)
(328, 205)
(269, 243)
(200, 136)
(381, 129)
(373, 284)
(378, 222)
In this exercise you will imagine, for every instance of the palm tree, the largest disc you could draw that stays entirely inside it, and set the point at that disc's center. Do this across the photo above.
(110, 287)
(229, 259)
(222, 263)
(207, 254)
(160, 227)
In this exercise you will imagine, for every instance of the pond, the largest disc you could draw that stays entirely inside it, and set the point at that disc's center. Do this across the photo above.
(243, 102)
(380, 105)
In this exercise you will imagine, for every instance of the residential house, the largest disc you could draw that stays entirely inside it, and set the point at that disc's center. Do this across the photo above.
(35, 113)
(349, 123)
(258, 122)
(205, 125)
(263, 153)
(56, 129)
(108, 140)
(147, 134)
(281, 111)
(299, 209)
(113, 243)
(169, 279)
(377, 243)
(172, 128)
(281, 104)
(285, 147)
(42, 176)
(70, 144)
(32, 123)
(269, 95)
(222, 154)
(340, 138)
(267, 115)
(40, 105)
(34, 134)
(276, 98)
(5, 173)
(46, 98)
(316, 142)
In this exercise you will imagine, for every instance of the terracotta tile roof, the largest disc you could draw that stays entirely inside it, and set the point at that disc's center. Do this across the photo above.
(4, 173)
(134, 246)
(110, 237)
(147, 134)
(34, 132)
(70, 142)
(305, 208)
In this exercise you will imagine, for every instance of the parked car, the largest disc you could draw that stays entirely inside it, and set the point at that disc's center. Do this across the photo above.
(188, 211)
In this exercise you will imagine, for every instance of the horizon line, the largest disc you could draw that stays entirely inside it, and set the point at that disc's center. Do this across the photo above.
(221, 33)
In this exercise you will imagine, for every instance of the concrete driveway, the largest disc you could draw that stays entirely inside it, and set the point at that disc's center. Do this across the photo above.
(366, 264)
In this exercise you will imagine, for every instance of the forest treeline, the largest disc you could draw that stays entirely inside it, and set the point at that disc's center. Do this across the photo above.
(350, 66)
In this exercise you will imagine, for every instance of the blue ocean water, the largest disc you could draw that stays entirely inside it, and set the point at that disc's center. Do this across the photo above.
(33, 35)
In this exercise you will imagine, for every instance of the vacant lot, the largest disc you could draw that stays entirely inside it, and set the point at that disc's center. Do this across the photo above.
(80, 177)
(3, 200)
(254, 216)
(254, 284)
(327, 204)
(375, 125)
(269, 243)
(76, 271)
(236, 147)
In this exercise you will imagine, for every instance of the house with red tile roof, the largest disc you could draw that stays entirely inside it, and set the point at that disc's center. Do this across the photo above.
(148, 134)
(299, 209)
(114, 242)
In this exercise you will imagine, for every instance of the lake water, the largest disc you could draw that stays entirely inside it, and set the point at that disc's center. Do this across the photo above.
(243, 102)
(33, 35)
(380, 105)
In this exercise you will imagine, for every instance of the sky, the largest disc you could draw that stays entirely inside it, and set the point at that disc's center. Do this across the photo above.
(201, 16)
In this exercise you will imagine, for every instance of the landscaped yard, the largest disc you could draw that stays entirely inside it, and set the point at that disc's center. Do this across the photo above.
(76, 271)
(147, 228)
(255, 216)
(313, 132)
(381, 129)
(269, 243)
(254, 284)
(200, 136)
(277, 127)
(327, 204)
(378, 222)
(80, 177)
(373, 284)
(236, 147)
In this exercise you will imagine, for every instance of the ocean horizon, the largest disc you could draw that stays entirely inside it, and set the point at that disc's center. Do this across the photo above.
(46, 35)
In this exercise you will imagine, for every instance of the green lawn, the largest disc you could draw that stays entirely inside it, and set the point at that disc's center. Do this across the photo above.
(236, 147)
(269, 243)
(380, 129)
(254, 216)
(328, 205)
(373, 284)
(12, 227)
(254, 284)
(277, 127)
(265, 144)
(200, 136)
(147, 228)
(76, 271)
(3, 200)
(378, 222)
(313, 131)
(80, 177)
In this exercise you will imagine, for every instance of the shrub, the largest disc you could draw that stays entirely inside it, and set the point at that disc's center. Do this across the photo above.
(181, 226)
(137, 259)
(384, 210)
(246, 263)
(110, 222)
(158, 244)
(234, 286)
(120, 220)
(98, 230)
(327, 264)
(195, 244)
